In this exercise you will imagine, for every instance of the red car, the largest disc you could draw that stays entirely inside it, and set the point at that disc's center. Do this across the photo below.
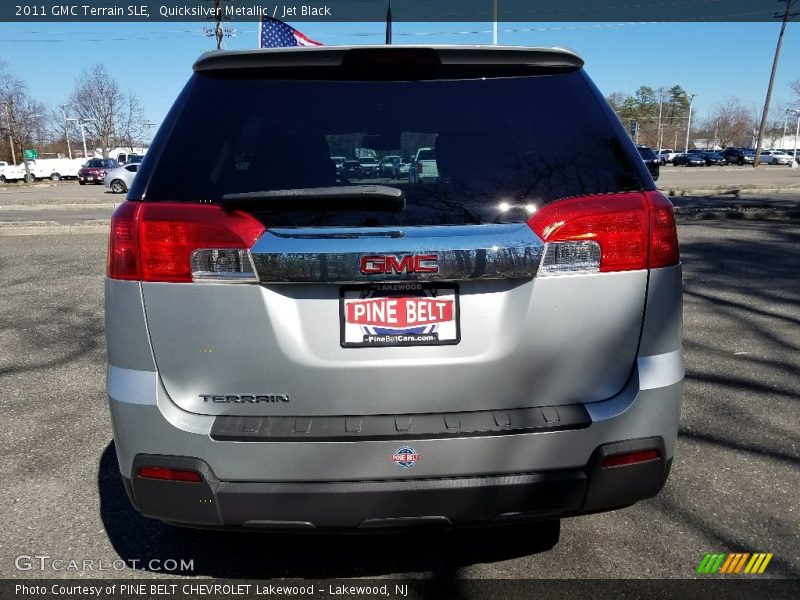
(95, 170)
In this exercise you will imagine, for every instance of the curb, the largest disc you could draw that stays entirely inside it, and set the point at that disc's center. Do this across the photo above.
(33, 228)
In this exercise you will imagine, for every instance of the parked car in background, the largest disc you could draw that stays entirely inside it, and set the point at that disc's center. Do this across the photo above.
(120, 179)
(775, 157)
(688, 159)
(666, 155)
(651, 160)
(402, 169)
(423, 168)
(95, 170)
(351, 169)
(389, 166)
(132, 158)
(369, 166)
(339, 162)
(739, 156)
(712, 157)
(54, 169)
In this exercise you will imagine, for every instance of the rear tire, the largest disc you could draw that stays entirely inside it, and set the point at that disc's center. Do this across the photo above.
(30, 178)
(118, 186)
(55, 177)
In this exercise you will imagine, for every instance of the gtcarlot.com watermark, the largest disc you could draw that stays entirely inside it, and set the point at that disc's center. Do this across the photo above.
(44, 562)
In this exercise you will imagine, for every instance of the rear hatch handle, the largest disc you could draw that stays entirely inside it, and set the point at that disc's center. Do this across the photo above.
(336, 198)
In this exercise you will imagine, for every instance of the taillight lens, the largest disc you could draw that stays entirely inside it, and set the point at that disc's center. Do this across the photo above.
(167, 474)
(632, 458)
(613, 232)
(158, 241)
(663, 233)
(123, 244)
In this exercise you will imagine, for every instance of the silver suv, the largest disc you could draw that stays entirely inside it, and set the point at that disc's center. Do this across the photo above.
(292, 347)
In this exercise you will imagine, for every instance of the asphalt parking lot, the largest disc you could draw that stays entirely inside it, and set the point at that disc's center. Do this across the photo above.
(734, 484)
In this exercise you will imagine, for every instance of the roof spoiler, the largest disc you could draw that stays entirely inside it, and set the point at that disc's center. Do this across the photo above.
(345, 57)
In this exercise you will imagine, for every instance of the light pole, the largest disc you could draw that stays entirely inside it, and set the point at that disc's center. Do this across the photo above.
(796, 132)
(689, 122)
(660, 110)
(82, 123)
(66, 129)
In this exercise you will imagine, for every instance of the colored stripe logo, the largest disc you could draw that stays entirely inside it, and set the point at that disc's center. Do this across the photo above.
(734, 563)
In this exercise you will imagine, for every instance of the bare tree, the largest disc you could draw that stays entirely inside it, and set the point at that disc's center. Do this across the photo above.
(21, 116)
(132, 129)
(732, 123)
(110, 116)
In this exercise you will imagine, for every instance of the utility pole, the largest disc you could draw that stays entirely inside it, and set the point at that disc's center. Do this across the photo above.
(796, 133)
(82, 124)
(660, 109)
(66, 129)
(689, 121)
(149, 126)
(10, 133)
(765, 113)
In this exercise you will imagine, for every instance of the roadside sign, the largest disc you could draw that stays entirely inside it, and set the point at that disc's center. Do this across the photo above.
(30, 154)
(634, 127)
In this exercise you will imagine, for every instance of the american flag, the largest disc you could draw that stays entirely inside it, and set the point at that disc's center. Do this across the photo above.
(277, 34)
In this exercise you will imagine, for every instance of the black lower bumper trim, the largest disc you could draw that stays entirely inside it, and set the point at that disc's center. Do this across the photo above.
(398, 503)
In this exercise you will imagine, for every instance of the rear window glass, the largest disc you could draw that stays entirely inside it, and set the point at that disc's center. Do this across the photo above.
(496, 142)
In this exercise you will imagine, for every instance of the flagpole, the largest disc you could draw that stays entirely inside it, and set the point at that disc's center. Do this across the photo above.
(389, 24)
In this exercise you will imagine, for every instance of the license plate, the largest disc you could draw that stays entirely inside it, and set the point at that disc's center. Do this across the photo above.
(399, 314)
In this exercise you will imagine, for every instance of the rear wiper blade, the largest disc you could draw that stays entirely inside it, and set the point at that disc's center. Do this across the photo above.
(338, 198)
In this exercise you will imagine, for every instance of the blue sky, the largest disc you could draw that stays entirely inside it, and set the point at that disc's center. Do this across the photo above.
(713, 60)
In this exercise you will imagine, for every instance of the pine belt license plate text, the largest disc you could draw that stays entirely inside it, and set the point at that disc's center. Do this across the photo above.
(403, 313)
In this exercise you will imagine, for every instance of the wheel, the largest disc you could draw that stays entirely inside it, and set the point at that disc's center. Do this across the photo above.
(55, 177)
(774, 161)
(663, 162)
(118, 186)
(81, 181)
(740, 162)
(30, 178)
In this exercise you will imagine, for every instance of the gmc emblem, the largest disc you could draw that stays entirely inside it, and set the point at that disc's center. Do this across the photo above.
(407, 263)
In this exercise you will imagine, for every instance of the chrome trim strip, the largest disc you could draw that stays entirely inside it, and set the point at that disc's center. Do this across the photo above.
(131, 386)
(323, 255)
(660, 370)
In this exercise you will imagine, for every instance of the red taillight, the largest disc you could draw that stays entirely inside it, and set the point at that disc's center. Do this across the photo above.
(419, 168)
(632, 458)
(154, 241)
(634, 230)
(123, 244)
(170, 474)
(663, 233)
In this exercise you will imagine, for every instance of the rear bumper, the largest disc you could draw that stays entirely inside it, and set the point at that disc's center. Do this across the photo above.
(355, 485)
(371, 505)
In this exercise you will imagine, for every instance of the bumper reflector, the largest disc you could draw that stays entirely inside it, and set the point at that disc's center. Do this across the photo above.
(170, 474)
(632, 458)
